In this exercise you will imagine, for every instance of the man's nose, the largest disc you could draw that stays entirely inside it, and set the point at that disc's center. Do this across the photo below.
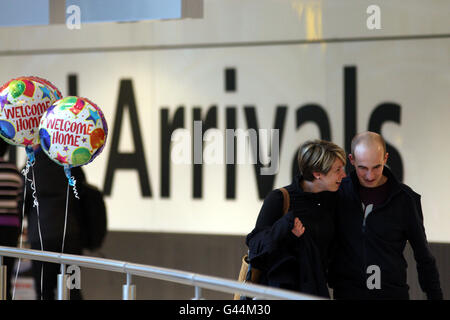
(370, 175)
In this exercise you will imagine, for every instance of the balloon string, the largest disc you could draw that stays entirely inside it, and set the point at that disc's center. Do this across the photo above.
(36, 204)
(65, 219)
(74, 185)
(25, 174)
(71, 182)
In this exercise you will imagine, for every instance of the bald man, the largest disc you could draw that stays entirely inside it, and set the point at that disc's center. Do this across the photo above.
(376, 216)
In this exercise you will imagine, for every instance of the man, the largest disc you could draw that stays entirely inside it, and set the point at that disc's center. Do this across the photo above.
(376, 215)
(11, 188)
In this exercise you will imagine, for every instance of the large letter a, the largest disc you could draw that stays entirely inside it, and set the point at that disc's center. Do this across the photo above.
(135, 160)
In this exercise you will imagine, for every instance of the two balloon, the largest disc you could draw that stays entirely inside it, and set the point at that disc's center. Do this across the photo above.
(72, 131)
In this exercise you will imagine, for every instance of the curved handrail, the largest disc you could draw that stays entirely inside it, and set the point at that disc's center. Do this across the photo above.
(166, 274)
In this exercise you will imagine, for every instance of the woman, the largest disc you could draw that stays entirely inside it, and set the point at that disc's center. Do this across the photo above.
(292, 250)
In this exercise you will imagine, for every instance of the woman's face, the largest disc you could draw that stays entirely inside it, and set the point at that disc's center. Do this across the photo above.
(332, 180)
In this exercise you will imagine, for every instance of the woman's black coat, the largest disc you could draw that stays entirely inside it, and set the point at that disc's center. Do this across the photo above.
(285, 260)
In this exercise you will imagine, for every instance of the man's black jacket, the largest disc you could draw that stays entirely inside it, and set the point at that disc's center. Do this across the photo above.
(380, 243)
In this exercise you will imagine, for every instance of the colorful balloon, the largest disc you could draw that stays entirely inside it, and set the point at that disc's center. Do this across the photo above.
(23, 101)
(55, 90)
(73, 131)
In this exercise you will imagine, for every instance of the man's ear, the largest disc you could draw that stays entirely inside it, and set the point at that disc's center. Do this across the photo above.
(352, 160)
(386, 156)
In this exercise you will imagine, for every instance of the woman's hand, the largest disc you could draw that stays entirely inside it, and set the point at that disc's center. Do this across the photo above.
(298, 229)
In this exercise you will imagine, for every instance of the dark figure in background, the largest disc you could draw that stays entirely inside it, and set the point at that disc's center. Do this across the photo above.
(51, 191)
(376, 215)
(293, 250)
(11, 189)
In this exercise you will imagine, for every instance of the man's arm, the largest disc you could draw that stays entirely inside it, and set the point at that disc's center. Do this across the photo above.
(426, 263)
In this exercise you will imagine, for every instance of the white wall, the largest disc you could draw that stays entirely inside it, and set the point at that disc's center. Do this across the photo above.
(174, 63)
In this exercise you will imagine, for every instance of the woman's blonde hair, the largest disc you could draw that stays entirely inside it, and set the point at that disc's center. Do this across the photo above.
(318, 156)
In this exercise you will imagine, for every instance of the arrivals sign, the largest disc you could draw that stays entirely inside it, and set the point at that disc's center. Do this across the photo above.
(194, 132)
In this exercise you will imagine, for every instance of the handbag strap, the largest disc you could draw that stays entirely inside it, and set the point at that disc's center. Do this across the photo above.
(286, 200)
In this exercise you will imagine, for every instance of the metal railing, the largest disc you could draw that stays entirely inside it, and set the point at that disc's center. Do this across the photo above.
(198, 281)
